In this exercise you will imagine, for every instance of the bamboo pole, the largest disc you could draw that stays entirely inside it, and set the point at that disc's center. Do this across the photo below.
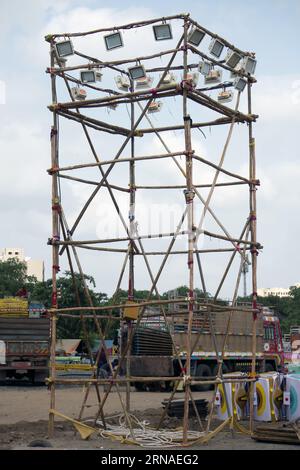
(55, 259)
(254, 252)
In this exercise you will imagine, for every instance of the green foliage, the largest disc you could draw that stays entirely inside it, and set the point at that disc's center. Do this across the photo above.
(67, 286)
(13, 276)
(287, 308)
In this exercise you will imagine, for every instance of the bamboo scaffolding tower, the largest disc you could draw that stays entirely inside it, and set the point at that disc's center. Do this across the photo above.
(88, 115)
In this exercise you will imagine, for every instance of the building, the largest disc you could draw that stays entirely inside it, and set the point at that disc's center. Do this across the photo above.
(34, 267)
(275, 291)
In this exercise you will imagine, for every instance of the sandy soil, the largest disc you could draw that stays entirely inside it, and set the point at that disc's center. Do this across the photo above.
(23, 419)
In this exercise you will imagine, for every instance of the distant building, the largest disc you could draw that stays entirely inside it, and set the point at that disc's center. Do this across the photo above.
(34, 267)
(275, 291)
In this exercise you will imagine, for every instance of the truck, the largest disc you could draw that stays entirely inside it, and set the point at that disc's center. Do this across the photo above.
(24, 340)
(237, 357)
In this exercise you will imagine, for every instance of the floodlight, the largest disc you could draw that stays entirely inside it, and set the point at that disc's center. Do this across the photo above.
(232, 59)
(137, 72)
(169, 79)
(240, 84)
(195, 36)
(122, 83)
(192, 78)
(216, 47)
(249, 65)
(78, 94)
(214, 76)
(162, 32)
(90, 76)
(155, 107)
(225, 96)
(145, 82)
(113, 41)
(205, 67)
(64, 48)
(60, 61)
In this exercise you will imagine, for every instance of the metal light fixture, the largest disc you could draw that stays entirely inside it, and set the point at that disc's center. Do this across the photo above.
(64, 48)
(216, 47)
(90, 76)
(192, 78)
(232, 59)
(136, 72)
(155, 107)
(225, 96)
(205, 67)
(214, 76)
(240, 84)
(249, 65)
(78, 94)
(60, 61)
(113, 41)
(195, 36)
(144, 82)
(169, 79)
(122, 83)
(162, 32)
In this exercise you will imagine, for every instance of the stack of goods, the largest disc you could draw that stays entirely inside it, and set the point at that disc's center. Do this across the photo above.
(281, 435)
(292, 397)
(268, 399)
(176, 408)
(150, 342)
(13, 307)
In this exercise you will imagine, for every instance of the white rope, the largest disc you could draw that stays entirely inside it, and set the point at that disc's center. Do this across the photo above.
(144, 435)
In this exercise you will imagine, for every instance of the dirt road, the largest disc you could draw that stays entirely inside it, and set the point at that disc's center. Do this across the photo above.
(24, 413)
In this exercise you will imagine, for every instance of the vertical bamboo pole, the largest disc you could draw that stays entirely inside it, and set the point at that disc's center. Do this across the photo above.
(55, 248)
(254, 253)
(131, 244)
(189, 196)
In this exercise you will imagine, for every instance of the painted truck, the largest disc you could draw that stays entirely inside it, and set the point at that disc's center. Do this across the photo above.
(237, 357)
(24, 337)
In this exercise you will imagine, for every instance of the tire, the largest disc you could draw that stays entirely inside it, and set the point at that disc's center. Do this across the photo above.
(139, 386)
(203, 370)
(39, 378)
(224, 369)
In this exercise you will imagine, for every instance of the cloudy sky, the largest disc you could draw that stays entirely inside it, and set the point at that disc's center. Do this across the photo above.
(270, 28)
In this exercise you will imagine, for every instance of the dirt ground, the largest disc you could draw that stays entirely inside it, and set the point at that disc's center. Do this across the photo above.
(24, 413)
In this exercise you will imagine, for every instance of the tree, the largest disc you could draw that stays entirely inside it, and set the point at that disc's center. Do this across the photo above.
(67, 286)
(13, 276)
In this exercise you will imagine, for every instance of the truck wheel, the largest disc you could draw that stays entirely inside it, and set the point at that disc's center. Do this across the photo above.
(203, 370)
(224, 369)
(2, 375)
(140, 386)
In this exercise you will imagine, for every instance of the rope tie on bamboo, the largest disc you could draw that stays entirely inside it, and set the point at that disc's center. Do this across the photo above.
(56, 208)
(186, 379)
(56, 268)
(254, 250)
(53, 170)
(187, 85)
(238, 248)
(253, 216)
(53, 132)
(153, 91)
(189, 195)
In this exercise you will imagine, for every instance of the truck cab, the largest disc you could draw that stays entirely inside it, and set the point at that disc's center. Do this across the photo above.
(273, 343)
